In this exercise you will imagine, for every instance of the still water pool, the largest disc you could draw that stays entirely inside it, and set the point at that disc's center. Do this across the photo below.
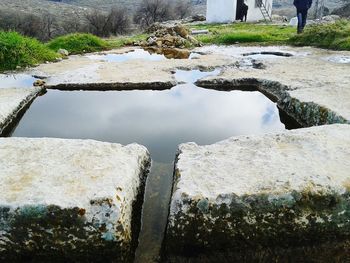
(160, 120)
(16, 80)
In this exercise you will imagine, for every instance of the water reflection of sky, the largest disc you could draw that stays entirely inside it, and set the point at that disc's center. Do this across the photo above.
(135, 54)
(160, 120)
(16, 81)
(191, 76)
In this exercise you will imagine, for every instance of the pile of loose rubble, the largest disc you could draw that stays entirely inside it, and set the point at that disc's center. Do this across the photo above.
(169, 36)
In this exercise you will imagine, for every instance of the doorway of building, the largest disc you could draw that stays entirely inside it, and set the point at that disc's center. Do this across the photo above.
(239, 9)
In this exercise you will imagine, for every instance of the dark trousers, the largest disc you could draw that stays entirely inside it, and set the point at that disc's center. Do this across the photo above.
(244, 14)
(302, 16)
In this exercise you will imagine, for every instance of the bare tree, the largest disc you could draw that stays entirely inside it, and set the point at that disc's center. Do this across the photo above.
(103, 24)
(74, 24)
(48, 26)
(151, 11)
(183, 8)
(43, 28)
(119, 21)
(98, 23)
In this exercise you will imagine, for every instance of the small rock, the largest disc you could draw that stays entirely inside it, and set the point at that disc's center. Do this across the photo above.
(63, 52)
(331, 18)
(151, 41)
(293, 22)
(278, 18)
(181, 31)
(39, 83)
(198, 17)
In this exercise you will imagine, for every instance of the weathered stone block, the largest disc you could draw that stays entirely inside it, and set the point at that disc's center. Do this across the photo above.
(13, 102)
(262, 198)
(70, 200)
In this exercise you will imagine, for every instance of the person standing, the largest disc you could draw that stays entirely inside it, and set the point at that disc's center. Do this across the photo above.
(244, 12)
(302, 7)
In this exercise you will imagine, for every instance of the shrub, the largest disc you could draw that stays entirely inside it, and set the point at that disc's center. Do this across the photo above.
(333, 36)
(78, 43)
(17, 50)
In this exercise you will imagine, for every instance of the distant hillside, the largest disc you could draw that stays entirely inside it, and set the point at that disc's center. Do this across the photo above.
(40, 7)
(128, 4)
(67, 8)
(104, 4)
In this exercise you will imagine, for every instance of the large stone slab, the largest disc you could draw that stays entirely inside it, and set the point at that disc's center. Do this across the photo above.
(70, 200)
(277, 196)
(13, 101)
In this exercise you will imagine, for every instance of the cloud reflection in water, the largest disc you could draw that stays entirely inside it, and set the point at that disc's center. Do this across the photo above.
(160, 120)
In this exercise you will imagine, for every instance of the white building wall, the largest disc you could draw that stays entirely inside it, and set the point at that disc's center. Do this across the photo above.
(254, 13)
(224, 11)
(221, 11)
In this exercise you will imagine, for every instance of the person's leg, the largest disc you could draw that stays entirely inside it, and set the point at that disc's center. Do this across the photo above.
(304, 18)
(245, 16)
(300, 21)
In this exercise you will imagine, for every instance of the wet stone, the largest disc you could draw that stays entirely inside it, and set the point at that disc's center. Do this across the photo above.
(339, 59)
(75, 200)
(132, 55)
(275, 196)
(13, 101)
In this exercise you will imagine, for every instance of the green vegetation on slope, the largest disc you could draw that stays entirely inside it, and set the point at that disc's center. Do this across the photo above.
(246, 33)
(17, 50)
(78, 43)
(332, 36)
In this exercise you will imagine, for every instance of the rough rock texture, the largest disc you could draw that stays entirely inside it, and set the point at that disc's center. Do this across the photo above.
(75, 200)
(80, 72)
(13, 102)
(310, 85)
(169, 36)
(261, 197)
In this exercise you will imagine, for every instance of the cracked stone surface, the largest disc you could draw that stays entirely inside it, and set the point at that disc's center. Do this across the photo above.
(70, 199)
(12, 102)
(246, 193)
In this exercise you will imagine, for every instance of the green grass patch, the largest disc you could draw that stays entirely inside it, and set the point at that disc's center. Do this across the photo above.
(17, 50)
(245, 33)
(117, 42)
(78, 43)
(332, 36)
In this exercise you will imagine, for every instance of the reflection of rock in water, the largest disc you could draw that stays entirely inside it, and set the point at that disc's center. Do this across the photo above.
(155, 212)
(169, 53)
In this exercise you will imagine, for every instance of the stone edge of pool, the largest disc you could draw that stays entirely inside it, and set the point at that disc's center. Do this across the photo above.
(13, 103)
(306, 113)
(78, 200)
(116, 86)
(251, 198)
